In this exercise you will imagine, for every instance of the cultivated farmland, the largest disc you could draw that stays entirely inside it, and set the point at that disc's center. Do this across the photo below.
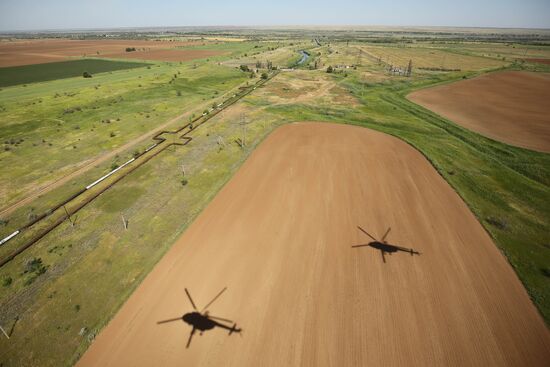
(59, 70)
(280, 236)
(26, 52)
(469, 212)
(509, 106)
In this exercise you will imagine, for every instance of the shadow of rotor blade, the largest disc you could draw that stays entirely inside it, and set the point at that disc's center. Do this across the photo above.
(383, 256)
(190, 337)
(215, 298)
(385, 234)
(190, 299)
(169, 320)
(219, 318)
(360, 245)
(367, 233)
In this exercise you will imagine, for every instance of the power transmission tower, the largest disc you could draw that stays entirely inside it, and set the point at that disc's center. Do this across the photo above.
(409, 68)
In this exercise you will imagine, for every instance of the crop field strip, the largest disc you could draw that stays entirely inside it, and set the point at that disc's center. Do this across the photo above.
(155, 149)
(26, 74)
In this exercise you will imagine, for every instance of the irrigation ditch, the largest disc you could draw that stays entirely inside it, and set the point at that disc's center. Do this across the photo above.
(160, 144)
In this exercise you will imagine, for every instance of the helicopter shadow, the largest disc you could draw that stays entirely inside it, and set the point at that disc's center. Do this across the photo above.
(383, 246)
(202, 320)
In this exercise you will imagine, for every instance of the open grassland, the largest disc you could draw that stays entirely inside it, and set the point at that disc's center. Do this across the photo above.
(59, 70)
(505, 187)
(506, 52)
(166, 55)
(426, 58)
(76, 120)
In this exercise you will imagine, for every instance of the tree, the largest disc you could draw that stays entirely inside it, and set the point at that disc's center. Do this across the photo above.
(330, 69)
(244, 68)
(86, 74)
(264, 76)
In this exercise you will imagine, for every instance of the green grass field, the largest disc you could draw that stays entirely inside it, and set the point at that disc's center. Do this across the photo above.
(75, 120)
(27, 74)
(506, 187)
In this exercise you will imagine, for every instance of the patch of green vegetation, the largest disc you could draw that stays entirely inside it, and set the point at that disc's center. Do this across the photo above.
(96, 116)
(59, 70)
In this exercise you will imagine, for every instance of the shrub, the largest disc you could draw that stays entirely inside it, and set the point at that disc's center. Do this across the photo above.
(7, 281)
(86, 74)
(112, 134)
(130, 49)
(36, 266)
(497, 222)
(330, 69)
(244, 68)
(264, 76)
(184, 181)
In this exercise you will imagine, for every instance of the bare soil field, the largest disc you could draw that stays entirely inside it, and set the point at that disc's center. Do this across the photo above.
(279, 235)
(510, 106)
(26, 52)
(540, 61)
(165, 55)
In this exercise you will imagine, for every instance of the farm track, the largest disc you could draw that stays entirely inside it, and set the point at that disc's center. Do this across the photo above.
(135, 163)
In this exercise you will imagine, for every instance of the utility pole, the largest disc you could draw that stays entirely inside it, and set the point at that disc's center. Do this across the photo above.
(243, 126)
(69, 216)
(4, 332)
(124, 222)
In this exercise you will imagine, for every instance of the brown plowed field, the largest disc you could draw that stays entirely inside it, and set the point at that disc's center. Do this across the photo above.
(540, 61)
(510, 106)
(26, 52)
(279, 236)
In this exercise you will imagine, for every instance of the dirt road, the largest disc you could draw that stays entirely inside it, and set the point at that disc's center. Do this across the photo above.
(280, 235)
(509, 106)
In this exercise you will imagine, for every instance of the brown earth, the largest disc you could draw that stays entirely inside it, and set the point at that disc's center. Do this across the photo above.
(279, 236)
(26, 52)
(510, 106)
(540, 61)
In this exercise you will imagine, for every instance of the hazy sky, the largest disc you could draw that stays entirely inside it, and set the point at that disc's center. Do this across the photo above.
(63, 14)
